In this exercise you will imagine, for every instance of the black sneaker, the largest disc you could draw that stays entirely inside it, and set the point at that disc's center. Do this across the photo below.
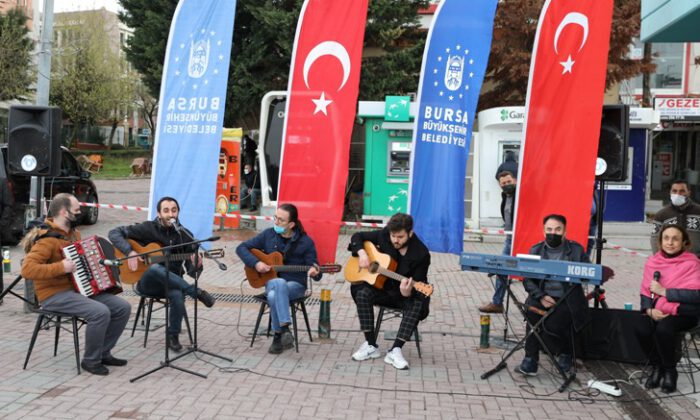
(276, 347)
(174, 342)
(287, 339)
(565, 362)
(113, 361)
(98, 369)
(204, 297)
(528, 367)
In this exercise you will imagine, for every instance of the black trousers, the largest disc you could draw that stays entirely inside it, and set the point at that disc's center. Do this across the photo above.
(415, 308)
(555, 331)
(664, 337)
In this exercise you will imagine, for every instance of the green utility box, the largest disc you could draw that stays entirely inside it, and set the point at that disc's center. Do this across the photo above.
(387, 161)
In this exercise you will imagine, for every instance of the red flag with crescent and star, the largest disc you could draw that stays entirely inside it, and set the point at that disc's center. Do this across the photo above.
(562, 124)
(321, 106)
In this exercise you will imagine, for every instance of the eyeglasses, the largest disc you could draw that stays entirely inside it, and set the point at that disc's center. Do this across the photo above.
(278, 220)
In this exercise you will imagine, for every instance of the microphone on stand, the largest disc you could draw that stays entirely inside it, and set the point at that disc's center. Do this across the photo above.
(176, 225)
(110, 263)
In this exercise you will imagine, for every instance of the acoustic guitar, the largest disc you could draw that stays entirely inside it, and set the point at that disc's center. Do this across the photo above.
(276, 261)
(381, 268)
(130, 277)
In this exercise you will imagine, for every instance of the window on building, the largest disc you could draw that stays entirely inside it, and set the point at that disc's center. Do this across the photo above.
(668, 58)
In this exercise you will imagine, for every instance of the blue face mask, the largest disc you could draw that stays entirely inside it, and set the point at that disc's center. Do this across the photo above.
(279, 229)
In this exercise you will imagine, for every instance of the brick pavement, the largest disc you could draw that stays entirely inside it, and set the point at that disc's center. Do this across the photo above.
(319, 382)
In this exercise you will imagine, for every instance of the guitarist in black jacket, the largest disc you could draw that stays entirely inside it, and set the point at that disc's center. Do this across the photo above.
(399, 241)
(162, 230)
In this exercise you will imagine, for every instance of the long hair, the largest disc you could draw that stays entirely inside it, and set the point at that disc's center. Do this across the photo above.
(293, 216)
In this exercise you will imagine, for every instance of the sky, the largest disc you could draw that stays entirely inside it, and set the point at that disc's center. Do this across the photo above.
(72, 5)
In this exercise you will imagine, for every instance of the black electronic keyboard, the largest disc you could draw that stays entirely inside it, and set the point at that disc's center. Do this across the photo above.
(534, 267)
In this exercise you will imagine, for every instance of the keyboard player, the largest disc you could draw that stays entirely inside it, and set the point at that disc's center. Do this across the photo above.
(106, 314)
(544, 294)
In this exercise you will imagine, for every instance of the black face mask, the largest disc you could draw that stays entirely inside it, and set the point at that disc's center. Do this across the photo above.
(509, 189)
(553, 240)
(73, 220)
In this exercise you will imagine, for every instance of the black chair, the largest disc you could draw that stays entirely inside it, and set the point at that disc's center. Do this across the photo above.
(388, 312)
(50, 319)
(686, 363)
(148, 301)
(295, 305)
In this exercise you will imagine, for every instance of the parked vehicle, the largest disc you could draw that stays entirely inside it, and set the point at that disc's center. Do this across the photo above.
(71, 179)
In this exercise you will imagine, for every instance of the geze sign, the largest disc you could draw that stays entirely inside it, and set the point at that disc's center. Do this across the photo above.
(687, 109)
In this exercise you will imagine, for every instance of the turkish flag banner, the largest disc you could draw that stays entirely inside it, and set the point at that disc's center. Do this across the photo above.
(321, 106)
(562, 122)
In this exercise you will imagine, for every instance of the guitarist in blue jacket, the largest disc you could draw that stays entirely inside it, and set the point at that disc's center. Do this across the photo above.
(287, 237)
(412, 259)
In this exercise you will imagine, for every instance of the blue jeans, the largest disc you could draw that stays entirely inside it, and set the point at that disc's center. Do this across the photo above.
(279, 293)
(153, 283)
(502, 281)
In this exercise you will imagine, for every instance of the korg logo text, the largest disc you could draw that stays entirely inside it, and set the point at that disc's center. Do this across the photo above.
(576, 270)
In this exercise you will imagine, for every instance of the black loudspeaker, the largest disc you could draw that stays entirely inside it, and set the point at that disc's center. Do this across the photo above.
(34, 140)
(614, 142)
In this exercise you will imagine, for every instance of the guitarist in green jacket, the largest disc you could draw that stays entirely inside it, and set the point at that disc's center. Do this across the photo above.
(412, 260)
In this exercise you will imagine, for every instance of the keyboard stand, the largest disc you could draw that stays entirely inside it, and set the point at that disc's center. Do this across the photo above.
(534, 329)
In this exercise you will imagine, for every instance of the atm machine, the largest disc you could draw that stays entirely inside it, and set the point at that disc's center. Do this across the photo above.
(387, 161)
(500, 131)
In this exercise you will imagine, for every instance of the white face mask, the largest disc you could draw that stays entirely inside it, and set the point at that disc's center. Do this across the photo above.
(246, 171)
(678, 200)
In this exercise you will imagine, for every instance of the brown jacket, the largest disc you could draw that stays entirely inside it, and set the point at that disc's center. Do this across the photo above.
(44, 262)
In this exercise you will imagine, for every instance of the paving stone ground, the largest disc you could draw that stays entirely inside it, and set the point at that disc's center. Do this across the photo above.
(321, 381)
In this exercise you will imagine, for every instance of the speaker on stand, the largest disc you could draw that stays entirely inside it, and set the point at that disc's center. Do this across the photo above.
(34, 149)
(34, 140)
(611, 165)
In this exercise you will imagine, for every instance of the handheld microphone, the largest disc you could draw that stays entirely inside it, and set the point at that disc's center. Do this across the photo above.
(110, 263)
(657, 276)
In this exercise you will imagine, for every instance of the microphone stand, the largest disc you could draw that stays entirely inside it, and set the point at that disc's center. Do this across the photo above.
(195, 345)
(167, 362)
(599, 241)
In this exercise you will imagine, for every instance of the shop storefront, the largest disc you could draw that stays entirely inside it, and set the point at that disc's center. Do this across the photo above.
(675, 146)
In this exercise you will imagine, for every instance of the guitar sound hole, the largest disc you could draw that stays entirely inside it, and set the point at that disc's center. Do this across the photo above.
(373, 267)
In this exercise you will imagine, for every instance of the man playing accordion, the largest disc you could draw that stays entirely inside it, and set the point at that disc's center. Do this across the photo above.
(106, 314)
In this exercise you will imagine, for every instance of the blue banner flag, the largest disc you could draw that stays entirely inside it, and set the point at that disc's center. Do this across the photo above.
(454, 62)
(191, 110)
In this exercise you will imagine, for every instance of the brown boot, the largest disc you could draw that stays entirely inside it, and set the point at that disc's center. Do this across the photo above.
(491, 308)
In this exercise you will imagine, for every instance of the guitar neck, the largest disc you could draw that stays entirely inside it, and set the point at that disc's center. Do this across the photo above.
(291, 268)
(390, 274)
(172, 257)
(398, 277)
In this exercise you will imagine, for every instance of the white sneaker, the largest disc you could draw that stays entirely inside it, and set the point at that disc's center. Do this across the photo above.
(366, 351)
(395, 357)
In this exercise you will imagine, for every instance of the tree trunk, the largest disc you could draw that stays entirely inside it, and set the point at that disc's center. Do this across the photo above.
(111, 134)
